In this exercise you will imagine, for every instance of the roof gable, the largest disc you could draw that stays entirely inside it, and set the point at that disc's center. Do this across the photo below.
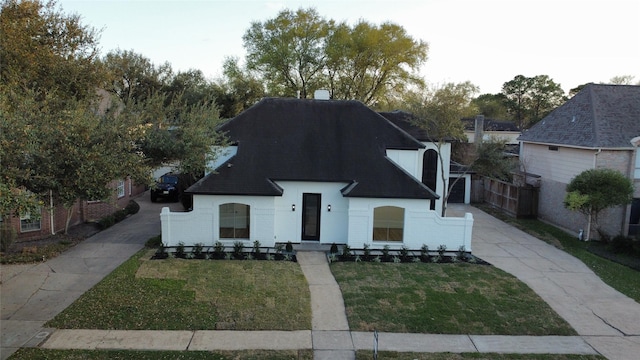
(599, 116)
(313, 140)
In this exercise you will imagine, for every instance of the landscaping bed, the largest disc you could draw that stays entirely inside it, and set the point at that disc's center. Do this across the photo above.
(281, 252)
(402, 255)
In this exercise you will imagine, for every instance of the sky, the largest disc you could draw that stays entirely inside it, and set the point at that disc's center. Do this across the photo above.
(485, 42)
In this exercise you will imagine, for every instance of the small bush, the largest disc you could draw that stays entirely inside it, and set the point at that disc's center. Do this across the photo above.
(132, 207)
(218, 250)
(180, 254)
(238, 246)
(120, 215)
(289, 247)
(622, 245)
(346, 250)
(154, 242)
(7, 236)
(197, 250)
(106, 222)
(334, 248)
(256, 249)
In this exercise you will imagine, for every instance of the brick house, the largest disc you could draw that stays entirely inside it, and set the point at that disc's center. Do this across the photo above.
(51, 222)
(598, 128)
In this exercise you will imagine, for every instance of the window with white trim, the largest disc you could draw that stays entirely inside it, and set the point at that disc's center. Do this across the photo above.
(27, 223)
(388, 223)
(120, 188)
(234, 221)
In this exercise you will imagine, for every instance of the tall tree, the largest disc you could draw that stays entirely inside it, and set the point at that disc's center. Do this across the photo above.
(492, 106)
(529, 99)
(288, 50)
(133, 77)
(298, 52)
(45, 50)
(237, 90)
(623, 80)
(439, 112)
(56, 139)
(367, 62)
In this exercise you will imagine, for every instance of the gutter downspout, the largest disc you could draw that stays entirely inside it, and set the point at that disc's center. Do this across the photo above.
(632, 176)
(51, 217)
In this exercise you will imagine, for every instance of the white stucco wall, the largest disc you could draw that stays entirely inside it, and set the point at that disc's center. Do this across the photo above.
(412, 162)
(349, 221)
(421, 226)
(333, 224)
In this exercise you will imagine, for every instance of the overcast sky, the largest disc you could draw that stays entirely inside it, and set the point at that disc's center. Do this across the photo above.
(485, 42)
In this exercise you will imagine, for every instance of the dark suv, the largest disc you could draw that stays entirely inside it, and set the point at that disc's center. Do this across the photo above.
(166, 187)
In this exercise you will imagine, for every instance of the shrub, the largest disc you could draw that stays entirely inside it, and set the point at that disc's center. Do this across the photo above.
(154, 242)
(367, 251)
(197, 250)
(461, 254)
(120, 215)
(106, 222)
(7, 236)
(346, 250)
(218, 249)
(132, 207)
(622, 244)
(256, 249)
(279, 248)
(404, 253)
(334, 248)
(385, 252)
(424, 252)
(238, 246)
(289, 247)
(180, 251)
(441, 250)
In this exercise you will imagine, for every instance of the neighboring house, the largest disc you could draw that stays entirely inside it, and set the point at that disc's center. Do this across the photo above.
(491, 128)
(28, 227)
(597, 128)
(316, 170)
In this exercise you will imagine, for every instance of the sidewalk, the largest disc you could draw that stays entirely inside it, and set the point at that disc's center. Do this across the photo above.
(607, 322)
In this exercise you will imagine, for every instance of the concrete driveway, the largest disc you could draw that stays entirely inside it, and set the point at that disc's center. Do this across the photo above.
(32, 294)
(608, 320)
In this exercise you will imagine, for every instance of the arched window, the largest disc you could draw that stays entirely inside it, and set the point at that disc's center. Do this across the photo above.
(388, 223)
(430, 169)
(234, 221)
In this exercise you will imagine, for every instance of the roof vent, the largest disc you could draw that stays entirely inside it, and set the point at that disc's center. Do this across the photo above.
(321, 95)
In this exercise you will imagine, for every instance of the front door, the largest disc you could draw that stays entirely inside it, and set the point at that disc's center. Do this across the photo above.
(311, 216)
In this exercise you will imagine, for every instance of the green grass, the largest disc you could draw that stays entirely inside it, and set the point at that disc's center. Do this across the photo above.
(620, 277)
(35, 353)
(367, 355)
(177, 294)
(442, 299)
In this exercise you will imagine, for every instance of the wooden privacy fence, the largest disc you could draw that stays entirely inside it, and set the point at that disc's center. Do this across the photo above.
(518, 201)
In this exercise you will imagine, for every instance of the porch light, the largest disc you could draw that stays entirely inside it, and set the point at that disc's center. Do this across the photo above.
(329, 207)
(293, 207)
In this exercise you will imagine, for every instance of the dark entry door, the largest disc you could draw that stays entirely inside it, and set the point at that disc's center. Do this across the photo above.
(311, 216)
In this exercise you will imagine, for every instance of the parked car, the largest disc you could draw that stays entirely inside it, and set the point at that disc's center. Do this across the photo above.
(166, 187)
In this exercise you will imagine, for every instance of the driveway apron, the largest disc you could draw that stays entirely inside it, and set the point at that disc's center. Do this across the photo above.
(599, 313)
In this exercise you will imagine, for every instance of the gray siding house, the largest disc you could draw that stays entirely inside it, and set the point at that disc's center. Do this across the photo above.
(598, 128)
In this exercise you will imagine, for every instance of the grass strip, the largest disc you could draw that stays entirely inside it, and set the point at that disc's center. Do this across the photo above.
(442, 299)
(36, 353)
(620, 277)
(177, 294)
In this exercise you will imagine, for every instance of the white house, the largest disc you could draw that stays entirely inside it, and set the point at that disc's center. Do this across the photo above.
(319, 171)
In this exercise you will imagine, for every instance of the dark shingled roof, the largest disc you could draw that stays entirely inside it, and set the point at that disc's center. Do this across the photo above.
(406, 122)
(599, 116)
(314, 140)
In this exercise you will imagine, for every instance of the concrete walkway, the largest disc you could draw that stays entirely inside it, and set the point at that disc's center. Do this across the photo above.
(608, 322)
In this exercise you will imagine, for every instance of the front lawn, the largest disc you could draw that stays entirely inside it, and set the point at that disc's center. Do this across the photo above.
(442, 299)
(177, 294)
(36, 353)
